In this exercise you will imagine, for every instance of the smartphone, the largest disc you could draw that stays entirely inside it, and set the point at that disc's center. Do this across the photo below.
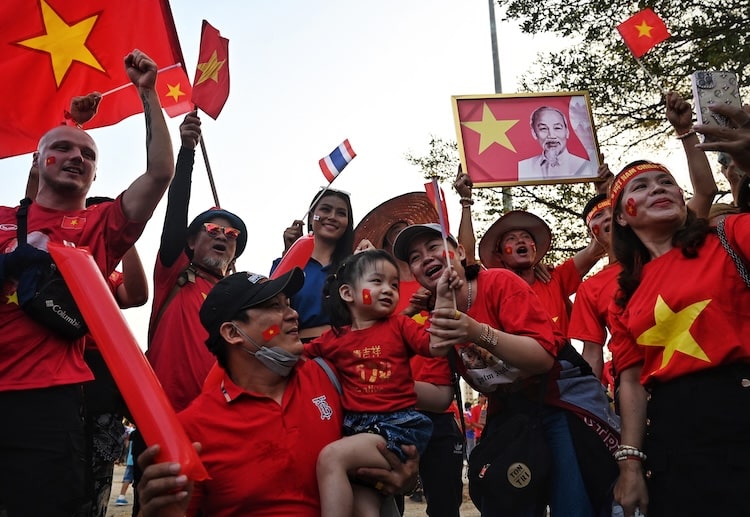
(716, 87)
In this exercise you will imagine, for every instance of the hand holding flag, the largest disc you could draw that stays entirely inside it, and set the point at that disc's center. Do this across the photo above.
(437, 198)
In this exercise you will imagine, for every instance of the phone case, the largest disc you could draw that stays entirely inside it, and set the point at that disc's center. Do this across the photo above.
(714, 87)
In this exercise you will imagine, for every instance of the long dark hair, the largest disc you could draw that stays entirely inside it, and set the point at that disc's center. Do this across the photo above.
(349, 272)
(345, 244)
(633, 255)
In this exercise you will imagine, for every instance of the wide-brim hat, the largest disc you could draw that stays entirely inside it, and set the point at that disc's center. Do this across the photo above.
(514, 220)
(215, 213)
(412, 208)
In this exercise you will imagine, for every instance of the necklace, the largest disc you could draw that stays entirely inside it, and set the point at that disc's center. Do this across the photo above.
(468, 304)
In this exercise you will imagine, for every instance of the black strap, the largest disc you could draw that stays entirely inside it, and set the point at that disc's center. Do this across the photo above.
(455, 378)
(738, 263)
(21, 217)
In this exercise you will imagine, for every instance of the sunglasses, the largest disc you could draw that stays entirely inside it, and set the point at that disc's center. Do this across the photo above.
(214, 230)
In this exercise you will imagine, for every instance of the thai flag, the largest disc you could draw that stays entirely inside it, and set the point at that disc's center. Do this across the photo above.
(334, 163)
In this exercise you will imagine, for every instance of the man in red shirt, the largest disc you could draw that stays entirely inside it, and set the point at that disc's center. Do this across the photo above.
(518, 241)
(262, 426)
(42, 437)
(191, 259)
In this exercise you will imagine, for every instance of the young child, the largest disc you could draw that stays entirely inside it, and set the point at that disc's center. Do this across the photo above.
(370, 347)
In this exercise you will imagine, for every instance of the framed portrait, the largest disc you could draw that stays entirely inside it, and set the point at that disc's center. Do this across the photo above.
(526, 138)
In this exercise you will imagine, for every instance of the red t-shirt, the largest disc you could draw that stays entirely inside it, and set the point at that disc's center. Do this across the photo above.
(588, 321)
(687, 314)
(373, 363)
(32, 356)
(261, 456)
(177, 346)
(555, 294)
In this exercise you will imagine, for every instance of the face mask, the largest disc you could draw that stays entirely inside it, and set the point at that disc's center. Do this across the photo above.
(278, 360)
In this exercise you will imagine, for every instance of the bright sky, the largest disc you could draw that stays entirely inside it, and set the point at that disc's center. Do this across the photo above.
(304, 76)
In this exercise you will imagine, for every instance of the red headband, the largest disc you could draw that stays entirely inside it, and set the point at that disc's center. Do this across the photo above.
(625, 176)
(601, 205)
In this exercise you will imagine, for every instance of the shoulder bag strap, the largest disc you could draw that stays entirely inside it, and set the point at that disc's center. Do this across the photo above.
(326, 368)
(738, 263)
(21, 217)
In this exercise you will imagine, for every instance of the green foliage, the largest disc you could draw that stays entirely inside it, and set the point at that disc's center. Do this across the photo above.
(559, 205)
(627, 104)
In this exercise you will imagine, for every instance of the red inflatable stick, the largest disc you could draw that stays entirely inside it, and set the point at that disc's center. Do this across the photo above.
(136, 380)
(296, 256)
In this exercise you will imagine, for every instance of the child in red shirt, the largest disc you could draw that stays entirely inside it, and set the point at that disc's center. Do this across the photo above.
(370, 347)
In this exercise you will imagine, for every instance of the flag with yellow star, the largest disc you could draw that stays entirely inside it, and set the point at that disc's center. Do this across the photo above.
(55, 50)
(494, 132)
(211, 83)
(643, 31)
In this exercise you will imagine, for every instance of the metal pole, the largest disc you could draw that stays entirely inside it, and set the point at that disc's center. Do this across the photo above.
(507, 196)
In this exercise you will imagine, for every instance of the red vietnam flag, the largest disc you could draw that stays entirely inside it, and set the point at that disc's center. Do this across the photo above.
(437, 198)
(55, 50)
(211, 83)
(643, 31)
(271, 332)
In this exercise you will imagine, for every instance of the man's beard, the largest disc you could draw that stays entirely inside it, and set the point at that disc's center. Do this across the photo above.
(218, 265)
(552, 153)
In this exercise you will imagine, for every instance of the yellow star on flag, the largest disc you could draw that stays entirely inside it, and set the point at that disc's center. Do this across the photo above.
(210, 69)
(420, 317)
(12, 298)
(644, 29)
(492, 130)
(64, 43)
(672, 331)
(174, 92)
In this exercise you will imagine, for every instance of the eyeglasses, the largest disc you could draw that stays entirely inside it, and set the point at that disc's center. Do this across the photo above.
(214, 230)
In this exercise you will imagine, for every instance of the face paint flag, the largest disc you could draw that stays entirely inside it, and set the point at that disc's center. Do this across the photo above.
(366, 297)
(437, 198)
(211, 83)
(271, 332)
(54, 51)
(643, 31)
(334, 163)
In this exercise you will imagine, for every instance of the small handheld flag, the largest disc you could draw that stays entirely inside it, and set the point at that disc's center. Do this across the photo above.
(643, 31)
(334, 163)
(211, 84)
(437, 198)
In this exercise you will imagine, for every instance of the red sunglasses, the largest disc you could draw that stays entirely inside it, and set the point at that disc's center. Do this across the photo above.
(214, 230)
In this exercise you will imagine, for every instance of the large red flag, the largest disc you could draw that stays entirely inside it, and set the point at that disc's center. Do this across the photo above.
(211, 83)
(54, 50)
(643, 31)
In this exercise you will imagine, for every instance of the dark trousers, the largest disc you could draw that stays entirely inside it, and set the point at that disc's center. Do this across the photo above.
(441, 465)
(698, 444)
(43, 463)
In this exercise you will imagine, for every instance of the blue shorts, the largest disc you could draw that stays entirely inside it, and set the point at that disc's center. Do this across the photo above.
(128, 476)
(405, 427)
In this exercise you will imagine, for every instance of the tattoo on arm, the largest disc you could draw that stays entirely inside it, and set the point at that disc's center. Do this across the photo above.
(147, 113)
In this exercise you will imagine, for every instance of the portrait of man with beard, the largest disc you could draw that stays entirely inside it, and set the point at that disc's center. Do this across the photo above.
(549, 128)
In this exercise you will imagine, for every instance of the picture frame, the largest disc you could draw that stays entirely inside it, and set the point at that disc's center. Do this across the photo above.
(498, 145)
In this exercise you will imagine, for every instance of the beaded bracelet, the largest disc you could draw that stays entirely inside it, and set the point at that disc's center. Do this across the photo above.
(682, 136)
(488, 337)
(626, 452)
(466, 201)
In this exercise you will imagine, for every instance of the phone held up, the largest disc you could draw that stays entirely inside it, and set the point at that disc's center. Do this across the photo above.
(714, 87)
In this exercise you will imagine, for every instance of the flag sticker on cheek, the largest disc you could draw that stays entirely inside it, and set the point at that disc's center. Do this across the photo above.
(596, 230)
(50, 161)
(508, 250)
(366, 297)
(630, 207)
(451, 254)
(271, 332)
(316, 217)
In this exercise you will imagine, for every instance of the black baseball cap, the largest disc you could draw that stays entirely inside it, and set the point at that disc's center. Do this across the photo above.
(408, 234)
(241, 291)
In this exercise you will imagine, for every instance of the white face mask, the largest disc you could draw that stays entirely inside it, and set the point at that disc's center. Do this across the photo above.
(278, 360)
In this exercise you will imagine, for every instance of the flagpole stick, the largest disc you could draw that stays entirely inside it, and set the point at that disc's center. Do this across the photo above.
(128, 85)
(202, 143)
(444, 234)
(650, 75)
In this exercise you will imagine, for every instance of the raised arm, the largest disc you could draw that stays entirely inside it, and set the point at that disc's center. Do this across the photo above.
(466, 237)
(141, 198)
(133, 291)
(680, 115)
(174, 233)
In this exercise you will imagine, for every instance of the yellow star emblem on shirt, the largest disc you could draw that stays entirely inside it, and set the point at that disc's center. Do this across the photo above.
(644, 29)
(491, 130)
(174, 92)
(210, 69)
(12, 298)
(63, 42)
(672, 331)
